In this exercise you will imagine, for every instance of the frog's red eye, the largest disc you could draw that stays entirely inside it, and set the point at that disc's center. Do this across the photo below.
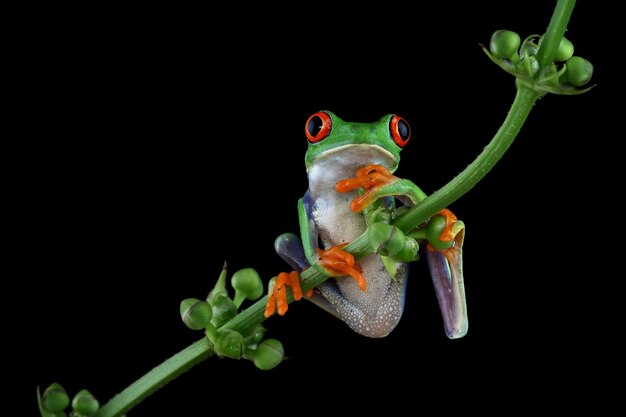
(318, 127)
(400, 131)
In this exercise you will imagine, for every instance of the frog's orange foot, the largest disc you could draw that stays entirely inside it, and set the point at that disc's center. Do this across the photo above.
(278, 296)
(370, 178)
(448, 232)
(339, 262)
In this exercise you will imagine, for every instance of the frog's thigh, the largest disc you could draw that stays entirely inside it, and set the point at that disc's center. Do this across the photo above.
(376, 311)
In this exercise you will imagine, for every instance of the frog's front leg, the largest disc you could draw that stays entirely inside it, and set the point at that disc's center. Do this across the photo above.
(444, 234)
(378, 182)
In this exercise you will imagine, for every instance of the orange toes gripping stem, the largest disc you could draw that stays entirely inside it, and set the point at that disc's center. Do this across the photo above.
(447, 234)
(369, 178)
(277, 298)
(339, 262)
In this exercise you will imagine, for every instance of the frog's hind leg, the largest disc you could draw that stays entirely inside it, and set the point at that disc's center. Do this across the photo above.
(289, 247)
(446, 269)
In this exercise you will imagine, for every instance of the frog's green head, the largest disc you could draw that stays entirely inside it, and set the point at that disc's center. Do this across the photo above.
(379, 142)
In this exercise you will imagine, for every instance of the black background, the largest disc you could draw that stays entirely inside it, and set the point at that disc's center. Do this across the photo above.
(161, 145)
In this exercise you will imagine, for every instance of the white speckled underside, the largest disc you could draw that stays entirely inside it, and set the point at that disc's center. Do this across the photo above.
(377, 311)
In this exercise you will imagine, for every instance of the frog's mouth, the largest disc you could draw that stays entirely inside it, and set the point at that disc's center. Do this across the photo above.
(343, 161)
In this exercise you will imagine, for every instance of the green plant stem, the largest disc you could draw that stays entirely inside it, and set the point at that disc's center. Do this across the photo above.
(203, 349)
(522, 105)
(312, 277)
(156, 378)
(554, 33)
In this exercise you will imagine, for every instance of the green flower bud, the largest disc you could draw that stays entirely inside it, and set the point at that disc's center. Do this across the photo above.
(220, 286)
(409, 252)
(84, 403)
(395, 243)
(55, 399)
(196, 313)
(433, 232)
(268, 355)
(247, 284)
(400, 247)
(565, 51)
(229, 343)
(504, 43)
(223, 310)
(578, 71)
(256, 336)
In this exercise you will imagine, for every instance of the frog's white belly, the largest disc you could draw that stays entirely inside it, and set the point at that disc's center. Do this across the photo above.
(376, 311)
(337, 222)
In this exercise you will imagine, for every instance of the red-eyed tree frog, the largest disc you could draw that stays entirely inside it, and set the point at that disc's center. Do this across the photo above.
(350, 167)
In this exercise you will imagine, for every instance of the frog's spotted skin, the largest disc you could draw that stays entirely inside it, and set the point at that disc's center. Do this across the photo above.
(374, 312)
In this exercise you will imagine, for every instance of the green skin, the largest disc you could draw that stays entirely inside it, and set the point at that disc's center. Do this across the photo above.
(325, 216)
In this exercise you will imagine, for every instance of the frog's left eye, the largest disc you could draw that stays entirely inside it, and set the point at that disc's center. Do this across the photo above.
(400, 130)
(318, 127)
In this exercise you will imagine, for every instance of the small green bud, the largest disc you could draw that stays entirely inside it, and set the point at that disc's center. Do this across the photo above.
(399, 246)
(220, 285)
(433, 232)
(268, 355)
(223, 310)
(256, 336)
(55, 399)
(229, 343)
(504, 43)
(578, 71)
(84, 403)
(195, 313)
(395, 243)
(565, 51)
(409, 252)
(247, 284)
